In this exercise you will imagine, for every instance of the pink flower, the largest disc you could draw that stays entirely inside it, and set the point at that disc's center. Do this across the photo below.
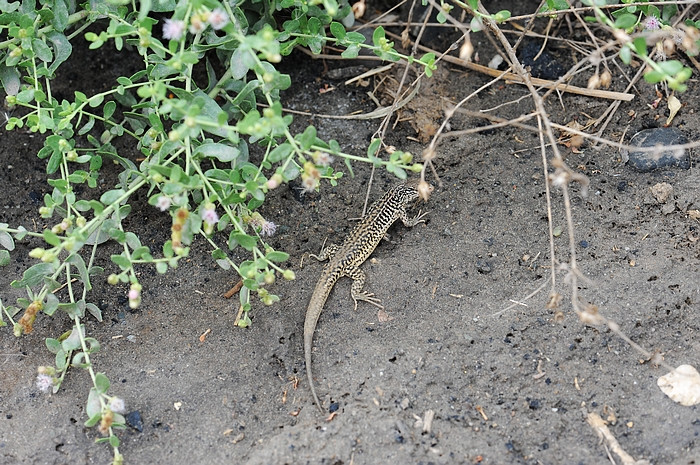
(652, 23)
(173, 29)
(163, 203)
(218, 19)
(210, 216)
(134, 294)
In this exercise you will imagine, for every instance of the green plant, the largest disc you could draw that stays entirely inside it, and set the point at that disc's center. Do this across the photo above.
(642, 20)
(195, 140)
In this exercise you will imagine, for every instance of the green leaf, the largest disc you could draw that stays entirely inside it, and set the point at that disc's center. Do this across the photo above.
(72, 342)
(95, 419)
(77, 261)
(501, 16)
(51, 304)
(94, 406)
(654, 77)
(94, 311)
(211, 110)
(101, 382)
(9, 76)
(244, 240)
(374, 147)
(377, 35)
(625, 21)
(338, 30)
(34, 275)
(242, 60)
(351, 52)
(280, 153)
(112, 196)
(51, 238)
(54, 162)
(42, 51)
(96, 100)
(221, 152)
(7, 241)
(277, 256)
(87, 126)
(639, 45)
(121, 261)
(307, 138)
(355, 37)
(670, 67)
(61, 360)
(4, 261)
(25, 96)
(54, 345)
(109, 109)
(626, 55)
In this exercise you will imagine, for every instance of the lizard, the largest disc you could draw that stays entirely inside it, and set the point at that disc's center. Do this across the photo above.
(345, 260)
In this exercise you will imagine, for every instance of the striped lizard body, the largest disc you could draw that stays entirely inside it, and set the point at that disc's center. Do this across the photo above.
(345, 260)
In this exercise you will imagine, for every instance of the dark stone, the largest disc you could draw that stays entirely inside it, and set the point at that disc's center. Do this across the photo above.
(134, 420)
(658, 137)
(542, 65)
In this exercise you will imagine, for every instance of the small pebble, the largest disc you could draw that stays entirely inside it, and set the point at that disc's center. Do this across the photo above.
(662, 191)
(658, 137)
(483, 267)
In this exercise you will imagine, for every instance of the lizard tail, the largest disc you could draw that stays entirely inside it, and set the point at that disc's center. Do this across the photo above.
(308, 341)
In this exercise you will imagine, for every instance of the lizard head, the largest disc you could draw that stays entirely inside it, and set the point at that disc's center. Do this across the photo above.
(414, 189)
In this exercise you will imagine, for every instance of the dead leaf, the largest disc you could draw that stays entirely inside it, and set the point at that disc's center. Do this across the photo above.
(673, 106)
(682, 385)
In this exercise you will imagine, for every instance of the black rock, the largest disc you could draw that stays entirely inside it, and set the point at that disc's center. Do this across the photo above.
(134, 420)
(661, 158)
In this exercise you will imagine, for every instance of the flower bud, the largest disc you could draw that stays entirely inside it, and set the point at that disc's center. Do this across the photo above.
(288, 275)
(37, 253)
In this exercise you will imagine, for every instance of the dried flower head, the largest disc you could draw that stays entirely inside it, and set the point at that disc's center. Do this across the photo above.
(44, 382)
(322, 158)
(218, 19)
(309, 182)
(268, 228)
(117, 405)
(197, 24)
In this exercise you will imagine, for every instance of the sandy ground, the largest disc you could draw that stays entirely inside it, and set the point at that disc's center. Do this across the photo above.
(451, 378)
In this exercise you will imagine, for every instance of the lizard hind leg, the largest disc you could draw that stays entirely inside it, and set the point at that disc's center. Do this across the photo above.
(357, 290)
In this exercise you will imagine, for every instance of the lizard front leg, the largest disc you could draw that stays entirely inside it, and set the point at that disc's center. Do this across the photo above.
(410, 222)
(327, 252)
